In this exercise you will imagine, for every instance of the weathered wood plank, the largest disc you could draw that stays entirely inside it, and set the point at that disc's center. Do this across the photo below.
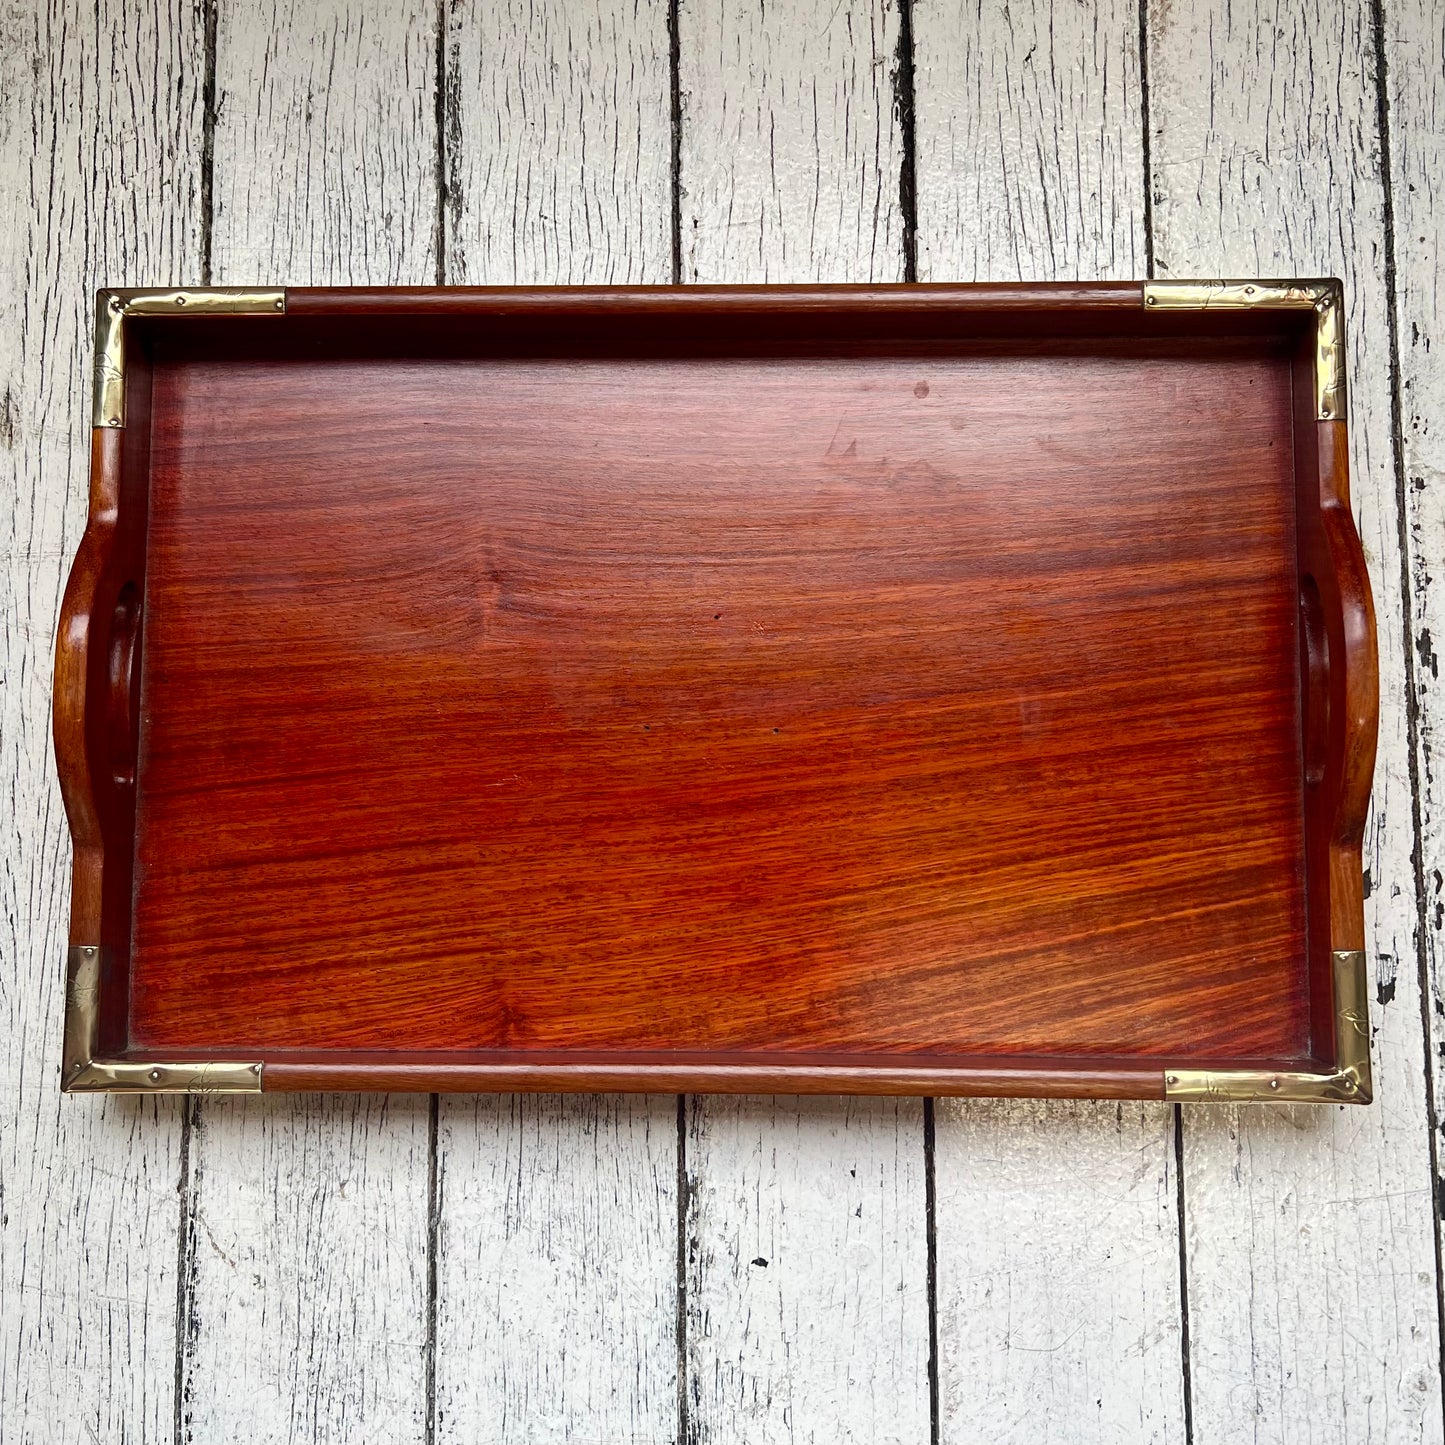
(559, 143)
(1058, 1272)
(307, 1247)
(806, 1304)
(325, 143)
(1059, 1310)
(806, 1268)
(1311, 1255)
(556, 1269)
(791, 145)
(1030, 141)
(557, 1217)
(100, 142)
(1414, 44)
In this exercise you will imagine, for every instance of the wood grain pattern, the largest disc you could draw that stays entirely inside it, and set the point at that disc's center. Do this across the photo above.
(815, 682)
(110, 192)
(556, 1217)
(1266, 160)
(1414, 48)
(1051, 1323)
(789, 160)
(98, 182)
(311, 1217)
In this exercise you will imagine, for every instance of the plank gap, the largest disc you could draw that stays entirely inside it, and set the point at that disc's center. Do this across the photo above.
(1148, 196)
(904, 91)
(208, 162)
(1179, 1215)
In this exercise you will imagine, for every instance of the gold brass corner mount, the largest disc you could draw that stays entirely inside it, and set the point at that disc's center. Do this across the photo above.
(1325, 298)
(112, 308)
(1348, 1083)
(83, 1073)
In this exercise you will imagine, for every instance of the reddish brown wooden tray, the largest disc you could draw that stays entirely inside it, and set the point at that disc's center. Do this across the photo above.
(963, 689)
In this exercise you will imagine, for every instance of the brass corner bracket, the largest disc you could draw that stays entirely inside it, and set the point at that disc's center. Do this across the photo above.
(112, 308)
(83, 1073)
(1348, 1083)
(1325, 298)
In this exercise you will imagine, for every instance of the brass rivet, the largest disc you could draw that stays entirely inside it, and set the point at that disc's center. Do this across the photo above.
(90, 953)
(255, 1068)
(281, 304)
(1249, 290)
(115, 303)
(1274, 1083)
(1349, 1085)
(180, 300)
(1151, 300)
(154, 1076)
(1171, 1078)
(1324, 411)
(114, 421)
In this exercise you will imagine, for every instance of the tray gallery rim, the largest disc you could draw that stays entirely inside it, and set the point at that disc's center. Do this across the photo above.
(80, 724)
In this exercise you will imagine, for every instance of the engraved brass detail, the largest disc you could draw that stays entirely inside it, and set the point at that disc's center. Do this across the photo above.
(1349, 1082)
(83, 1073)
(112, 307)
(1330, 354)
(109, 400)
(1325, 298)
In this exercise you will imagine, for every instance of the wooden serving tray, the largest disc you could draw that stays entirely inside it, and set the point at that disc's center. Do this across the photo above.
(933, 689)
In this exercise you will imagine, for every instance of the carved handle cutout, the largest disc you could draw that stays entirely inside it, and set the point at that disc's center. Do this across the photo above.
(1315, 666)
(121, 682)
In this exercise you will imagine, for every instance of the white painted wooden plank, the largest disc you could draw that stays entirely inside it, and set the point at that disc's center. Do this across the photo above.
(1030, 139)
(557, 1270)
(1414, 38)
(307, 1313)
(1057, 1245)
(807, 1286)
(308, 1265)
(325, 143)
(1058, 1272)
(99, 174)
(1311, 1256)
(790, 145)
(790, 161)
(556, 1299)
(559, 143)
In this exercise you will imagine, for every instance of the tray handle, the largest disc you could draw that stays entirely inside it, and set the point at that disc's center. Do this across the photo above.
(96, 709)
(1352, 687)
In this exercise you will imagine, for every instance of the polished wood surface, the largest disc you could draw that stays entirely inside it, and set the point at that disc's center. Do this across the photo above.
(617, 690)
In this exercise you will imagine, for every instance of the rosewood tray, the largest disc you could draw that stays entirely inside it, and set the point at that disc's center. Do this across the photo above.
(933, 689)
